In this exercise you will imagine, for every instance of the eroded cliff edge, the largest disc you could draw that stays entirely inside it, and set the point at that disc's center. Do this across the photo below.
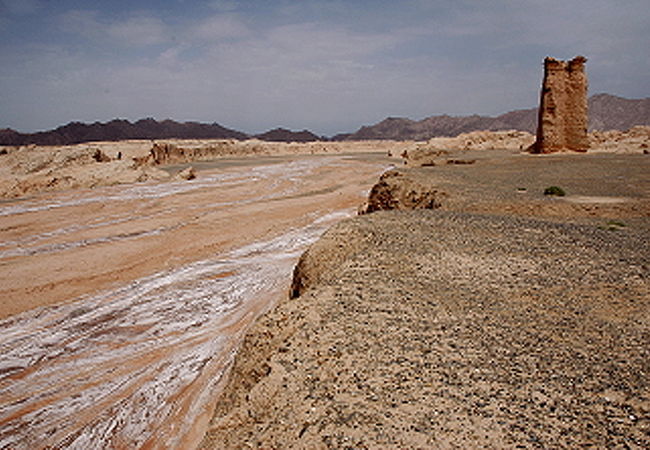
(455, 327)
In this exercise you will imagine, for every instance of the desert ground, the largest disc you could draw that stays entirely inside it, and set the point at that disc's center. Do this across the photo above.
(502, 318)
(122, 304)
(127, 290)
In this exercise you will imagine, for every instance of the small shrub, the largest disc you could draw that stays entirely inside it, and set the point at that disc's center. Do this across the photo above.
(554, 190)
(613, 225)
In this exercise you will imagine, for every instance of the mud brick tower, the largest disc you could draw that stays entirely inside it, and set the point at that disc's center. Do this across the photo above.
(562, 121)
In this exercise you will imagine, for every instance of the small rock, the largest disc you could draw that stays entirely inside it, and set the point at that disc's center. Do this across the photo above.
(100, 156)
(461, 161)
(186, 174)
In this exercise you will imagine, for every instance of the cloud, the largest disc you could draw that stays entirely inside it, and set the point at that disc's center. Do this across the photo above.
(81, 22)
(327, 66)
(324, 77)
(223, 5)
(21, 7)
(136, 31)
(317, 41)
(301, 75)
(139, 31)
(220, 27)
(288, 59)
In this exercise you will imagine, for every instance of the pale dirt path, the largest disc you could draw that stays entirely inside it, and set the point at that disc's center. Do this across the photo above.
(145, 292)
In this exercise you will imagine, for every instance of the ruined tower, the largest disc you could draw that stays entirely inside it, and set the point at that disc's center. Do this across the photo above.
(562, 121)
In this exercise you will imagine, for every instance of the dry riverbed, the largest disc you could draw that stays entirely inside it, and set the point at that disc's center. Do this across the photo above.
(123, 305)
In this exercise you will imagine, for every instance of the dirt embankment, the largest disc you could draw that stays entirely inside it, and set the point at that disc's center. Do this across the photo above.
(398, 190)
(503, 318)
(32, 169)
(435, 152)
(636, 139)
(182, 151)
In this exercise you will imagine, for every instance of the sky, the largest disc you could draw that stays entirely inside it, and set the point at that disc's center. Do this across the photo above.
(329, 66)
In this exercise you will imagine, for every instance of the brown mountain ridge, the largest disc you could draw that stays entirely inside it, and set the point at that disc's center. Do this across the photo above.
(606, 112)
(119, 129)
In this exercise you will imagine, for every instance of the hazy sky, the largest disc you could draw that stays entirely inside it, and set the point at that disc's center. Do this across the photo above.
(327, 65)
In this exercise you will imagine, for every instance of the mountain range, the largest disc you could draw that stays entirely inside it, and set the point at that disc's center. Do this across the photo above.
(284, 135)
(117, 130)
(605, 112)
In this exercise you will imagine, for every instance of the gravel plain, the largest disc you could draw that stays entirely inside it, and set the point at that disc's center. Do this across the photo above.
(503, 319)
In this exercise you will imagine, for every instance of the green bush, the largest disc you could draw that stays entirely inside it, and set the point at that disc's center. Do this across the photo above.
(554, 190)
(614, 225)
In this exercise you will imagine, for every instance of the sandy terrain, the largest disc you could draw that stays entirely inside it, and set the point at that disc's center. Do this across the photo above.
(633, 141)
(502, 319)
(599, 186)
(123, 304)
(29, 170)
(58, 246)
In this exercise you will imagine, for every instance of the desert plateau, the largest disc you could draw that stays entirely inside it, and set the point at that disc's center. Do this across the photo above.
(315, 224)
(462, 309)
(129, 286)
(122, 304)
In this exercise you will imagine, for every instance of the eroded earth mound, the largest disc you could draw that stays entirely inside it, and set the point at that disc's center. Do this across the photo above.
(399, 190)
(27, 170)
(30, 170)
(435, 152)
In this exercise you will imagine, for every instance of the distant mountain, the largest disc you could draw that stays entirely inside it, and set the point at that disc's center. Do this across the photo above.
(116, 130)
(606, 112)
(609, 112)
(406, 129)
(284, 135)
